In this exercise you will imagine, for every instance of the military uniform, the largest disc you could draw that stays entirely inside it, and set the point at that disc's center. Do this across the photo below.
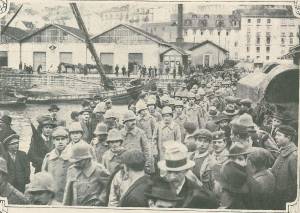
(86, 187)
(147, 124)
(13, 195)
(57, 165)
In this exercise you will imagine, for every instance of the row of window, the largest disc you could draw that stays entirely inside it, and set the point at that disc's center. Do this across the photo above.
(258, 21)
(258, 57)
(202, 32)
(268, 40)
(258, 49)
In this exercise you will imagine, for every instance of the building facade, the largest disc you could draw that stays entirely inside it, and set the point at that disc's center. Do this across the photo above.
(267, 36)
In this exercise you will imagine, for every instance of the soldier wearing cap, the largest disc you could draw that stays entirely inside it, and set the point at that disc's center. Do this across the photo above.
(86, 179)
(75, 134)
(165, 130)
(86, 124)
(176, 165)
(111, 158)
(220, 151)
(153, 111)
(13, 195)
(285, 167)
(57, 162)
(41, 142)
(193, 112)
(99, 142)
(145, 121)
(180, 118)
(200, 156)
(135, 138)
(246, 107)
(17, 163)
(42, 190)
(110, 117)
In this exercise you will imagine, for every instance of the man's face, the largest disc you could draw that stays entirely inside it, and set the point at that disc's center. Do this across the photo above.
(114, 145)
(223, 123)
(175, 178)
(151, 108)
(99, 115)
(276, 122)
(202, 144)
(192, 101)
(240, 160)
(167, 118)
(130, 124)
(75, 136)
(81, 164)
(53, 113)
(13, 146)
(41, 197)
(162, 204)
(281, 139)
(102, 137)
(108, 105)
(110, 122)
(61, 142)
(85, 116)
(143, 112)
(178, 109)
(47, 130)
(219, 145)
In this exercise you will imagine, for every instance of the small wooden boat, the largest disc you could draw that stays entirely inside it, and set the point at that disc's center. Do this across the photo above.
(12, 101)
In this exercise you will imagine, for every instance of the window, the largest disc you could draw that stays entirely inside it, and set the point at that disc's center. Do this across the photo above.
(249, 20)
(267, 49)
(257, 57)
(185, 32)
(248, 49)
(291, 34)
(282, 41)
(257, 40)
(236, 44)
(282, 34)
(267, 57)
(258, 21)
(268, 21)
(268, 40)
(227, 33)
(201, 33)
(219, 33)
(291, 41)
(258, 49)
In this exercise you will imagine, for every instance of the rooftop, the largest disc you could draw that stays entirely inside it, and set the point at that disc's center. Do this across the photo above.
(15, 33)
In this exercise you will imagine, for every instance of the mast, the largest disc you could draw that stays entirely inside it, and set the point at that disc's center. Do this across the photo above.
(12, 18)
(107, 83)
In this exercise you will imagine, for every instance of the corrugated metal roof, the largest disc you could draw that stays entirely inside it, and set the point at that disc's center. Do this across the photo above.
(15, 33)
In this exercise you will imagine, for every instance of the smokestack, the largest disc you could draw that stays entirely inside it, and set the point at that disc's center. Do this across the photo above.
(179, 39)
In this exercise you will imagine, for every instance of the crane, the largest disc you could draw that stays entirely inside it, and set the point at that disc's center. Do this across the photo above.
(107, 83)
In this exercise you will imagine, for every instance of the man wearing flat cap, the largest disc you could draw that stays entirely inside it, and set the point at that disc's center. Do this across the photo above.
(53, 110)
(17, 163)
(176, 165)
(285, 167)
(41, 141)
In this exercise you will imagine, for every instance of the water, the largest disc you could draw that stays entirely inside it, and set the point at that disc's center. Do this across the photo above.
(23, 116)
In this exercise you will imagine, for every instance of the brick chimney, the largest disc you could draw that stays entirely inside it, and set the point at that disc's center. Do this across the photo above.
(179, 39)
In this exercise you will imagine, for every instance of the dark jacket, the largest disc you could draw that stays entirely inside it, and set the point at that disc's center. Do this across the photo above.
(38, 149)
(285, 173)
(195, 196)
(18, 171)
(13, 195)
(135, 194)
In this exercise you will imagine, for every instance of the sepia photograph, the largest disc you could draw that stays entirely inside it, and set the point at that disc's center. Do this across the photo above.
(149, 106)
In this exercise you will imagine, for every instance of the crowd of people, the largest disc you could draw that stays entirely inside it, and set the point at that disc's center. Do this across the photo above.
(197, 147)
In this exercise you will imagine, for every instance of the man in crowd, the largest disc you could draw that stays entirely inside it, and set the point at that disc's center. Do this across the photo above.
(285, 167)
(86, 179)
(42, 190)
(176, 165)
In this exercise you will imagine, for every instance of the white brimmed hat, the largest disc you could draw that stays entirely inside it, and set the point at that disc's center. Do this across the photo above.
(176, 157)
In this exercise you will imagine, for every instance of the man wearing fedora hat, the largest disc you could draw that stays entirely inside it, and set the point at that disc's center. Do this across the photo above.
(238, 154)
(86, 179)
(86, 124)
(41, 141)
(176, 165)
(278, 118)
(285, 167)
(53, 110)
(17, 163)
(7, 190)
(160, 194)
(111, 158)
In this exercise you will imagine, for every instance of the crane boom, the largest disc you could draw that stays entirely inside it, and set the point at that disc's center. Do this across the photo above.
(12, 18)
(108, 84)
